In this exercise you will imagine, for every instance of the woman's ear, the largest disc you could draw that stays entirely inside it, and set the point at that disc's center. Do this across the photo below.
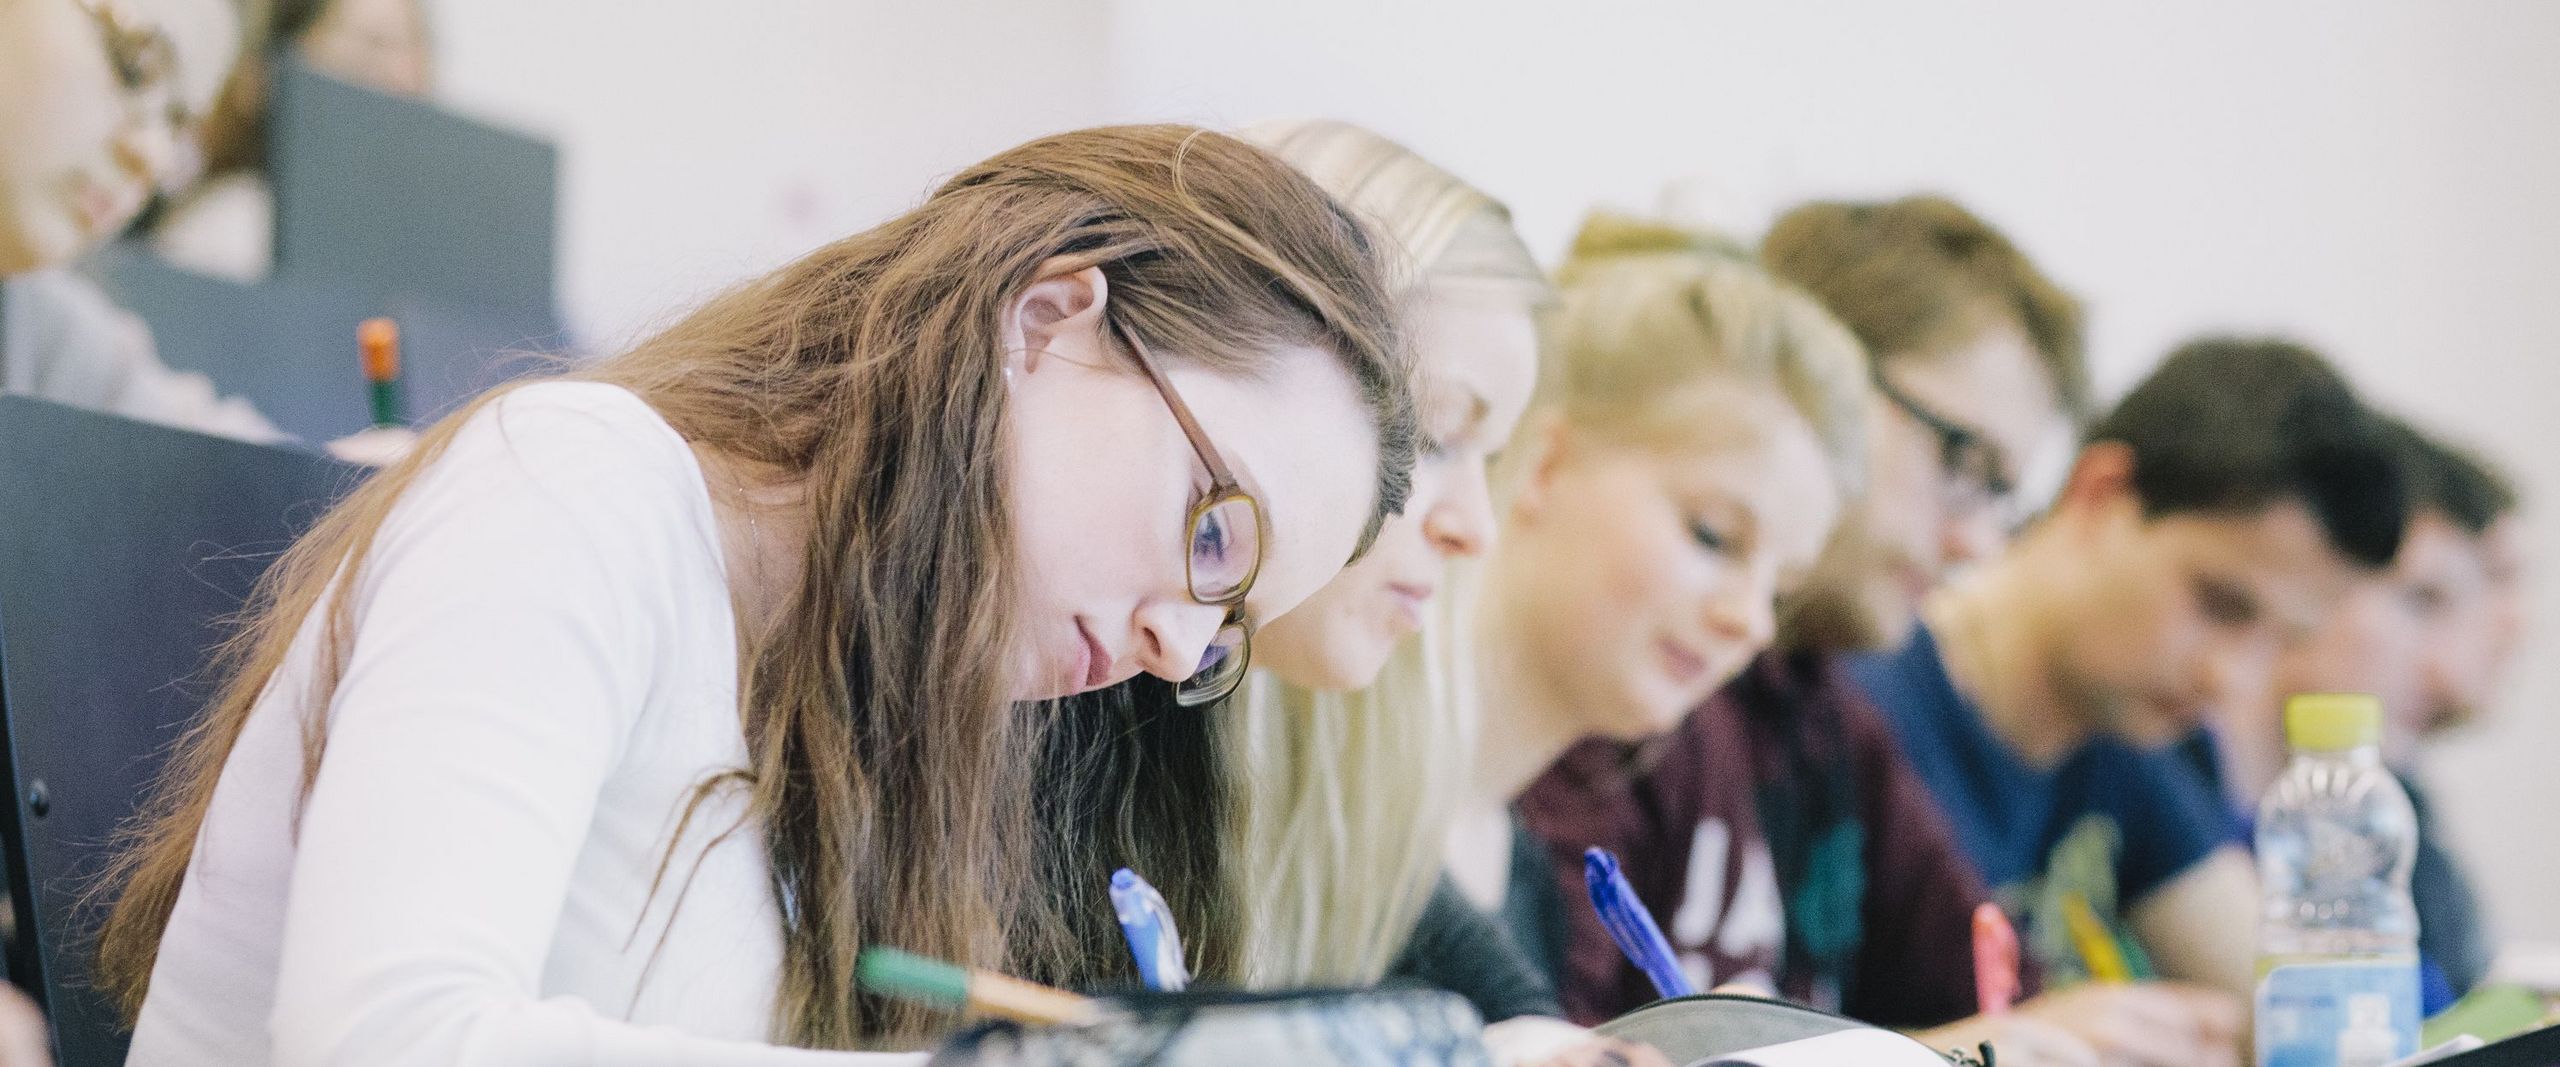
(1545, 444)
(1059, 314)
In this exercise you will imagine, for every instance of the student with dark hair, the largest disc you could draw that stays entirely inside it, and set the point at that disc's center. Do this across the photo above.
(2209, 522)
(2464, 517)
(2430, 637)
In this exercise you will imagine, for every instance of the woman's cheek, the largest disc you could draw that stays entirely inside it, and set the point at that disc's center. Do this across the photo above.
(1642, 572)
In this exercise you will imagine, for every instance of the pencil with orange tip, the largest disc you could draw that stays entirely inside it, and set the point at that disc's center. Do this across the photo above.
(379, 341)
(907, 976)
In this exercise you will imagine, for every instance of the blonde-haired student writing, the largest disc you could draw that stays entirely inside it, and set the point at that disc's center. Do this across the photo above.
(1702, 429)
(1351, 755)
(1778, 830)
(1349, 741)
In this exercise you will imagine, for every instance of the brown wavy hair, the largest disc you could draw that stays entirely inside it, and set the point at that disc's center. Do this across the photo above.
(888, 764)
(1921, 274)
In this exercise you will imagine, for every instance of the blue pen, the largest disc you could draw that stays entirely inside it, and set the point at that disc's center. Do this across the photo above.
(1631, 926)
(1149, 926)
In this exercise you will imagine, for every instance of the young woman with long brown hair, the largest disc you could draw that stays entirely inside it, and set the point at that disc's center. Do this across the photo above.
(614, 722)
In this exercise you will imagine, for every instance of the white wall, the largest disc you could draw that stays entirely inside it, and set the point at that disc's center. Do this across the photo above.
(705, 142)
(2381, 178)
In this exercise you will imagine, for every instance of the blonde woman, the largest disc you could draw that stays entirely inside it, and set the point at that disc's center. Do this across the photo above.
(1700, 430)
(1350, 756)
(1704, 431)
(1350, 750)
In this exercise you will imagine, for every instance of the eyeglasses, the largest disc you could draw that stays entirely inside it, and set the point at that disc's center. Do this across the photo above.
(144, 61)
(1222, 554)
(1975, 477)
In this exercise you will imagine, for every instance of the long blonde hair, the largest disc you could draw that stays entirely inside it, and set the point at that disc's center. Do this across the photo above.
(886, 760)
(1341, 801)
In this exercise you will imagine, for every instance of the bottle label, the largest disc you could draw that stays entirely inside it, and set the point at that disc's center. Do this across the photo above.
(2353, 1013)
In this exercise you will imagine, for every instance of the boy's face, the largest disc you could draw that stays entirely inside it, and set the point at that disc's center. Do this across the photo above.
(2371, 643)
(2501, 613)
(2170, 618)
(1921, 518)
(2429, 637)
(2462, 594)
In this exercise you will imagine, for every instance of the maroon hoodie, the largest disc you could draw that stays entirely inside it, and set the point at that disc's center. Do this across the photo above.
(1778, 835)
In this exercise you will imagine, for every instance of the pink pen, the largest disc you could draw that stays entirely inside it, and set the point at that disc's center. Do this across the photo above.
(1995, 960)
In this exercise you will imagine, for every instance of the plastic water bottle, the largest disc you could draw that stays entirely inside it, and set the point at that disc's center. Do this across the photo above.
(2338, 949)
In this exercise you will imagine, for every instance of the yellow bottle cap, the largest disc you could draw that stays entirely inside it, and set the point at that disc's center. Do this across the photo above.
(2333, 722)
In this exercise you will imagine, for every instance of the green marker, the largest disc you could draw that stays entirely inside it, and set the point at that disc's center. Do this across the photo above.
(905, 975)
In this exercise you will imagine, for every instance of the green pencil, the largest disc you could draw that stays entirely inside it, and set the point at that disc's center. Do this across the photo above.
(890, 972)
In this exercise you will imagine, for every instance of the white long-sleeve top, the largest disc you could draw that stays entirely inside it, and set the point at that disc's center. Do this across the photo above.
(543, 668)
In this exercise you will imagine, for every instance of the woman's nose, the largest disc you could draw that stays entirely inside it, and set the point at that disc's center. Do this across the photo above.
(147, 150)
(1461, 523)
(1173, 635)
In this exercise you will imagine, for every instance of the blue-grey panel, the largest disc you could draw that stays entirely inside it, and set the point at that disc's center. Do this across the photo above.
(122, 546)
(393, 195)
(290, 346)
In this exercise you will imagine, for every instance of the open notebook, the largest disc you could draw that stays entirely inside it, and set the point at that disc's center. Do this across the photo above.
(1718, 1030)
(1846, 1048)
